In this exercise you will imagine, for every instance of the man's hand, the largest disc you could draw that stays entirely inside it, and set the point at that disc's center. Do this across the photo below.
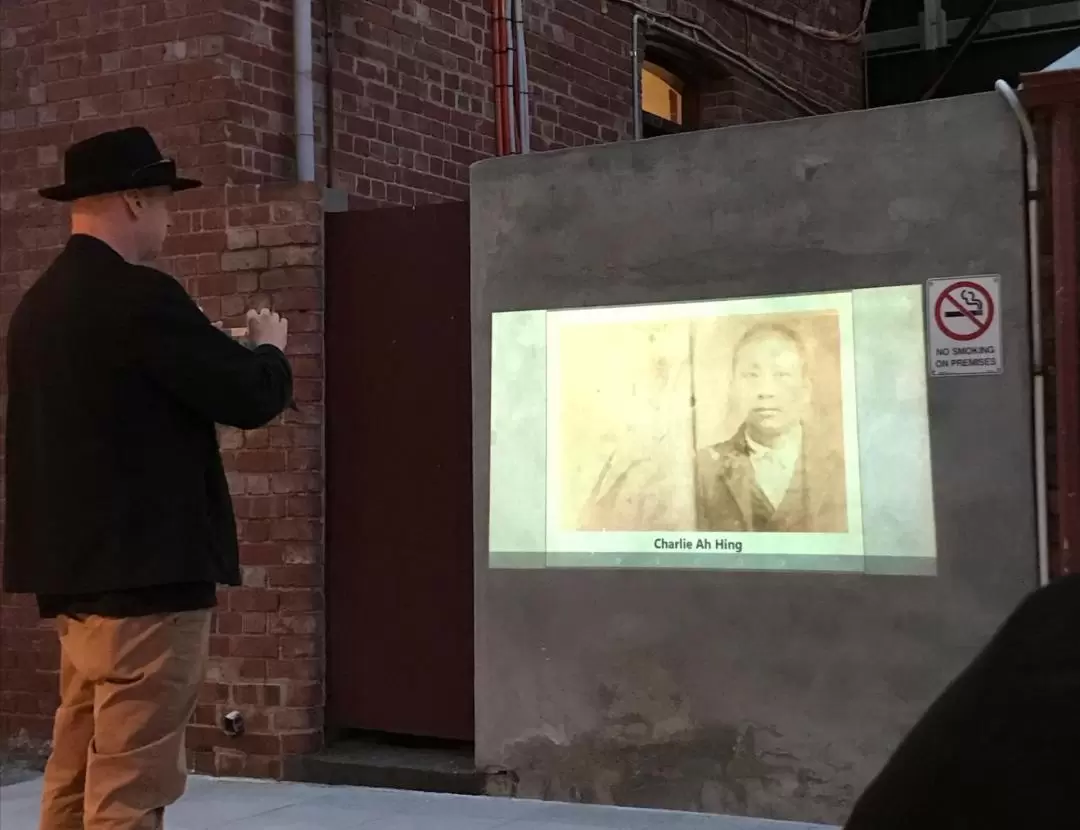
(267, 328)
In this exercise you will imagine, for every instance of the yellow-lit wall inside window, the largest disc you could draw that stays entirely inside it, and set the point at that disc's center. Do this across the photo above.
(661, 93)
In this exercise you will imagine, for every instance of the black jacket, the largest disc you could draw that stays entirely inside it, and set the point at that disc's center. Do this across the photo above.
(729, 499)
(114, 477)
(1000, 749)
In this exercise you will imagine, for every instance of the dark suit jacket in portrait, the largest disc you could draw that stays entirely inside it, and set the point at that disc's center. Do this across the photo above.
(730, 499)
(115, 485)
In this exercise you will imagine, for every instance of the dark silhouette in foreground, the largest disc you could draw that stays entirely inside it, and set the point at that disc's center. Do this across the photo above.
(1001, 747)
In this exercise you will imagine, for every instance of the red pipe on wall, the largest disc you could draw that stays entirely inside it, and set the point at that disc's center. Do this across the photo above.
(498, 53)
(1065, 149)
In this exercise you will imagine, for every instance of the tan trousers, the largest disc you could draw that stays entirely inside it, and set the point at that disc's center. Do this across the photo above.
(127, 692)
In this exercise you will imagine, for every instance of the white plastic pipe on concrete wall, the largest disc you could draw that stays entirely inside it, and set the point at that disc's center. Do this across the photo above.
(303, 91)
(1038, 370)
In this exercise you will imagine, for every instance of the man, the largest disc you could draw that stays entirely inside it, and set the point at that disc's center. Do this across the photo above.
(118, 511)
(773, 474)
(1000, 749)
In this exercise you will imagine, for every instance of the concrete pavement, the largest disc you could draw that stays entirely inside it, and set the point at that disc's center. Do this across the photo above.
(220, 804)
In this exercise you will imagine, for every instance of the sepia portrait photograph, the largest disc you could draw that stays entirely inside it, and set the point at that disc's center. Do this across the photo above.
(723, 417)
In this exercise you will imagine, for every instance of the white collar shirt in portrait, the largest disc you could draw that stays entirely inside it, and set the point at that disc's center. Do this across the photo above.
(774, 467)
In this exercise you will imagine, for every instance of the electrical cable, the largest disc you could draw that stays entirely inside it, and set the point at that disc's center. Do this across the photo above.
(854, 36)
(807, 103)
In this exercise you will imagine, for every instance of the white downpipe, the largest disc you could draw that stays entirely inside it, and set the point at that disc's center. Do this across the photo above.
(303, 92)
(508, 62)
(635, 58)
(523, 75)
(1038, 370)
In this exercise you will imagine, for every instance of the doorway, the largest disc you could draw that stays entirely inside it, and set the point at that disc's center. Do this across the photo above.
(399, 473)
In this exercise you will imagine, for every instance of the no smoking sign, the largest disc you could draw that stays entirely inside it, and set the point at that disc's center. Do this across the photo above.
(964, 320)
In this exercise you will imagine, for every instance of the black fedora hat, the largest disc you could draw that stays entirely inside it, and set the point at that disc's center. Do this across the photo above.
(112, 162)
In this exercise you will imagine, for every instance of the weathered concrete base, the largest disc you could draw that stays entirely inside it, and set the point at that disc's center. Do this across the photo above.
(716, 770)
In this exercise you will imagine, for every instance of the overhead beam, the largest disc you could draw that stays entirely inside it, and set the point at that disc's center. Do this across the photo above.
(935, 25)
(971, 31)
(1037, 17)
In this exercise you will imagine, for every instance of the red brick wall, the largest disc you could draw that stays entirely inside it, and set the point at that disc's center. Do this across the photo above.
(266, 648)
(581, 70)
(412, 104)
(72, 69)
(412, 91)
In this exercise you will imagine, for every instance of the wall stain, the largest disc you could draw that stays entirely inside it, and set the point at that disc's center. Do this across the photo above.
(649, 752)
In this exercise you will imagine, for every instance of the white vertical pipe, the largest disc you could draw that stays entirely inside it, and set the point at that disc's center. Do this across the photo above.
(635, 56)
(1035, 289)
(523, 76)
(303, 92)
(508, 62)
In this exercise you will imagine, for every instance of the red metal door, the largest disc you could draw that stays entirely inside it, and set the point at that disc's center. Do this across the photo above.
(399, 506)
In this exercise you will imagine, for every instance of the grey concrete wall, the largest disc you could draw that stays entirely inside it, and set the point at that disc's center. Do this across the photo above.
(776, 695)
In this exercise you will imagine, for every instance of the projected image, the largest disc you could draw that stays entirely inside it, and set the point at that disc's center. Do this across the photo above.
(754, 403)
(773, 433)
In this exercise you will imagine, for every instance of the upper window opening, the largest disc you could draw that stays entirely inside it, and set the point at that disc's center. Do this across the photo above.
(662, 93)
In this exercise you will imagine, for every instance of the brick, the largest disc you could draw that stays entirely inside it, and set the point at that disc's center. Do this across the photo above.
(301, 743)
(244, 260)
(307, 575)
(279, 235)
(302, 694)
(296, 719)
(250, 669)
(294, 255)
(293, 624)
(228, 623)
(253, 623)
(294, 669)
(289, 277)
(254, 646)
(247, 763)
(238, 238)
(301, 299)
(297, 647)
(246, 600)
(260, 461)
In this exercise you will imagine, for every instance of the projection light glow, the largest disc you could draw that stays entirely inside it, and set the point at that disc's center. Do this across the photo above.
(785, 433)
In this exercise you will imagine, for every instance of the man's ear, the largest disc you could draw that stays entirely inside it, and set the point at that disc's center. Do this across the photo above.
(133, 201)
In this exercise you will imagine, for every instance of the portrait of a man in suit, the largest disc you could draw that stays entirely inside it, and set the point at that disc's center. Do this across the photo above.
(778, 472)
